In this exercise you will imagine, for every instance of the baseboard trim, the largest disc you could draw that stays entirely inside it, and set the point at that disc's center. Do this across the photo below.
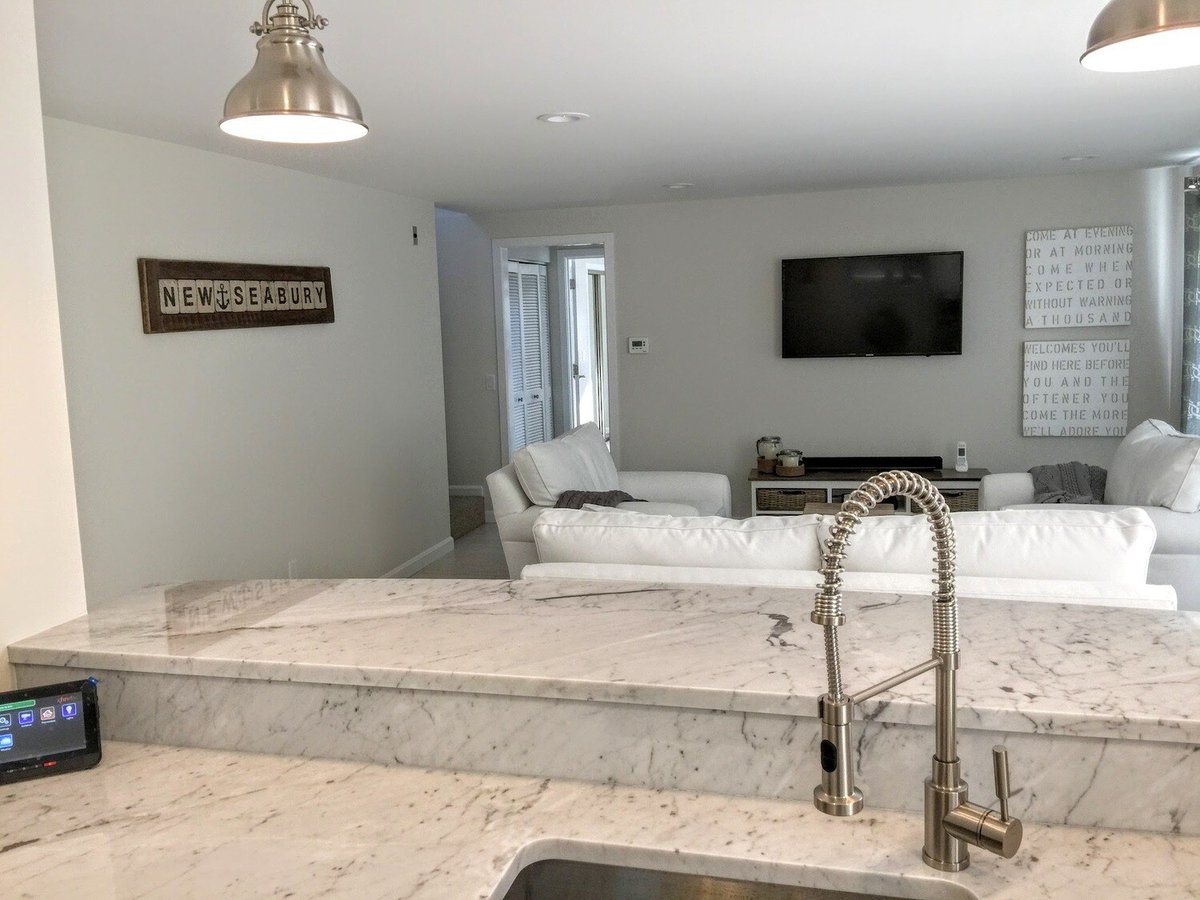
(466, 490)
(421, 560)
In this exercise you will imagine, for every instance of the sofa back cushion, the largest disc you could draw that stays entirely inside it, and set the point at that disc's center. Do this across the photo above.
(576, 461)
(766, 542)
(1155, 465)
(1079, 545)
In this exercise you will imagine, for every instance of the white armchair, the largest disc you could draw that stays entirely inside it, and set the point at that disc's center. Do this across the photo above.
(665, 493)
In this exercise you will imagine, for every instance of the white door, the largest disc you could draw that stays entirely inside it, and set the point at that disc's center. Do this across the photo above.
(529, 419)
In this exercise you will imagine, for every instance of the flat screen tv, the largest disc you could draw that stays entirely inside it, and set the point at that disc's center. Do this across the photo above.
(897, 304)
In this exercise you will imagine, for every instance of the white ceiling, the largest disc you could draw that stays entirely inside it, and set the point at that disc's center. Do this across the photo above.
(740, 97)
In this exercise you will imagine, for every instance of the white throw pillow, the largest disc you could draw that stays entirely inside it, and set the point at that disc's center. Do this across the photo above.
(765, 542)
(576, 461)
(1076, 545)
(1155, 465)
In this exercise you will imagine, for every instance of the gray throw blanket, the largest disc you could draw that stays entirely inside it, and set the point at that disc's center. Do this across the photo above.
(576, 499)
(1072, 482)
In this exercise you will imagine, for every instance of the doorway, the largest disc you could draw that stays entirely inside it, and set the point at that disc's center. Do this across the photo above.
(585, 339)
(555, 315)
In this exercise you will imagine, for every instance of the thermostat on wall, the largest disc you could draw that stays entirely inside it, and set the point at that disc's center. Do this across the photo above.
(639, 345)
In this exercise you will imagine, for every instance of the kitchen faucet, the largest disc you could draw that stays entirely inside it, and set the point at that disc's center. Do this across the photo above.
(951, 821)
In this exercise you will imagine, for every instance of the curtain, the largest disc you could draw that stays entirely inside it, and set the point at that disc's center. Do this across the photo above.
(1191, 306)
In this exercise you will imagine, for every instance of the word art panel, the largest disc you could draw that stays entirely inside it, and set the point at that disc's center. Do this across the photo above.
(1076, 389)
(1079, 277)
(182, 295)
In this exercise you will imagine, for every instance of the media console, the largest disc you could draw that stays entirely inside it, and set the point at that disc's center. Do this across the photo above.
(830, 479)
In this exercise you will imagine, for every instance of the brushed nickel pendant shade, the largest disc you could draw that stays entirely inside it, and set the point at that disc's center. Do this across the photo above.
(289, 95)
(1144, 36)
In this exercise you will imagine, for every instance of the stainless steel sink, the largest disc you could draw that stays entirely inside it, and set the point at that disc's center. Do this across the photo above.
(557, 879)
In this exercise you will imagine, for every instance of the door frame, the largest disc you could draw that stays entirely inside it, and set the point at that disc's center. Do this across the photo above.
(500, 255)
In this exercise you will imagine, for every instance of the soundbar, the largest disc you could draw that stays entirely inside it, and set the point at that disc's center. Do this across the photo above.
(871, 463)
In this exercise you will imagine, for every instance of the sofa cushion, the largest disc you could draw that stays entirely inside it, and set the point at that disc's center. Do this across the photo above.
(1178, 532)
(576, 461)
(653, 508)
(645, 507)
(1081, 545)
(766, 542)
(1155, 465)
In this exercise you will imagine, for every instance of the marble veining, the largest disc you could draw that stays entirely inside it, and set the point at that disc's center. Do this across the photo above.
(1058, 779)
(1027, 667)
(154, 822)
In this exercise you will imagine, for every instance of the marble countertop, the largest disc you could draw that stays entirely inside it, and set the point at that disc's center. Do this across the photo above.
(1026, 667)
(168, 822)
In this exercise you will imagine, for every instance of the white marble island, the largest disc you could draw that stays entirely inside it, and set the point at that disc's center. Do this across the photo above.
(169, 822)
(639, 689)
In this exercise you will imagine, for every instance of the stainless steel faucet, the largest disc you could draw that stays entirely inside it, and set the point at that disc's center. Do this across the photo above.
(951, 821)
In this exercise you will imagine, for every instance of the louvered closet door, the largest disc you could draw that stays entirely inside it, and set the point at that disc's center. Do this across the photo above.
(529, 355)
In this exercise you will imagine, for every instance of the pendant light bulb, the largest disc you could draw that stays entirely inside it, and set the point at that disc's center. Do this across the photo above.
(289, 95)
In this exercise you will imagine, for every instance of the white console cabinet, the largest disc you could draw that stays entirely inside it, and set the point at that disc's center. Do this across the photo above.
(777, 495)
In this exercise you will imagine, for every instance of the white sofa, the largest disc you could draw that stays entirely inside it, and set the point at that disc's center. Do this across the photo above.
(1176, 556)
(1069, 556)
(1155, 469)
(579, 460)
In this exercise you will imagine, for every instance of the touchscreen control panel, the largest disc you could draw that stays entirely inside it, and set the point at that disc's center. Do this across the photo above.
(49, 729)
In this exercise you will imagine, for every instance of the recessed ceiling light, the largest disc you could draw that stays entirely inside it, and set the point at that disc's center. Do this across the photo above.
(1083, 158)
(679, 186)
(563, 118)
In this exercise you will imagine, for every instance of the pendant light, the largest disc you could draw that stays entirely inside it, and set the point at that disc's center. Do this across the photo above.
(289, 95)
(1144, 36)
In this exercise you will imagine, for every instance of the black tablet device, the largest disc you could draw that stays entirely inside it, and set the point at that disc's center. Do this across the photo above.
(50, 729)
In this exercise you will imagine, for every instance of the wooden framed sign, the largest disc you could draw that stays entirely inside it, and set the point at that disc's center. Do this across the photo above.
(184, 295)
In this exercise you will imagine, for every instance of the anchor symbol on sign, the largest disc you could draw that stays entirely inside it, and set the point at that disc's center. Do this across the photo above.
(222, 301)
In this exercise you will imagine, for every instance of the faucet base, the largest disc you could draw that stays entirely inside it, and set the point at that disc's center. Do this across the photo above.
(944, 792)
(832, 805)
(944, 866)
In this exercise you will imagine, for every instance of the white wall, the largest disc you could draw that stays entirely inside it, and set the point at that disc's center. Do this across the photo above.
(226, 454)
(701, 280)
(464, 254)
(41, 572)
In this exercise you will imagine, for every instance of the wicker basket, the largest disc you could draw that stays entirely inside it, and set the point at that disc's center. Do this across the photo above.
(962, 501)
(787, 499)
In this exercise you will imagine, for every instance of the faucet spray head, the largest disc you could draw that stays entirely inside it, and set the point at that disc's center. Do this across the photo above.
(836, 795)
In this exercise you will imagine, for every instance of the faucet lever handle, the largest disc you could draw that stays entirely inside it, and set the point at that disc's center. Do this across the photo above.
(1000, 771)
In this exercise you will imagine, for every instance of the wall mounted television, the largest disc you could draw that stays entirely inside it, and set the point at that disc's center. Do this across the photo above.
(895, 304)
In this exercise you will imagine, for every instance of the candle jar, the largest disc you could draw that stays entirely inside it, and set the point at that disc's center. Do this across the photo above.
(789, 459)
(768, 447)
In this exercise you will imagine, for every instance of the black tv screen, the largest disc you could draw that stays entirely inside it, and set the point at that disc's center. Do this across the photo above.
(902, 304)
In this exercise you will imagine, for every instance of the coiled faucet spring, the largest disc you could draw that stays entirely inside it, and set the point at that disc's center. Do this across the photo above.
(827, 610)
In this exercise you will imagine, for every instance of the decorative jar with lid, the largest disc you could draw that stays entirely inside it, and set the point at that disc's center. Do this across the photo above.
(768, 446)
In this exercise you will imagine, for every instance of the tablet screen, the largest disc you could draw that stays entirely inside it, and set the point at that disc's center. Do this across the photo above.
(49, 729)
(41, 726)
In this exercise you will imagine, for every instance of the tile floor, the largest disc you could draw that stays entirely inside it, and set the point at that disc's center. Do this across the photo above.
(477, 554)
